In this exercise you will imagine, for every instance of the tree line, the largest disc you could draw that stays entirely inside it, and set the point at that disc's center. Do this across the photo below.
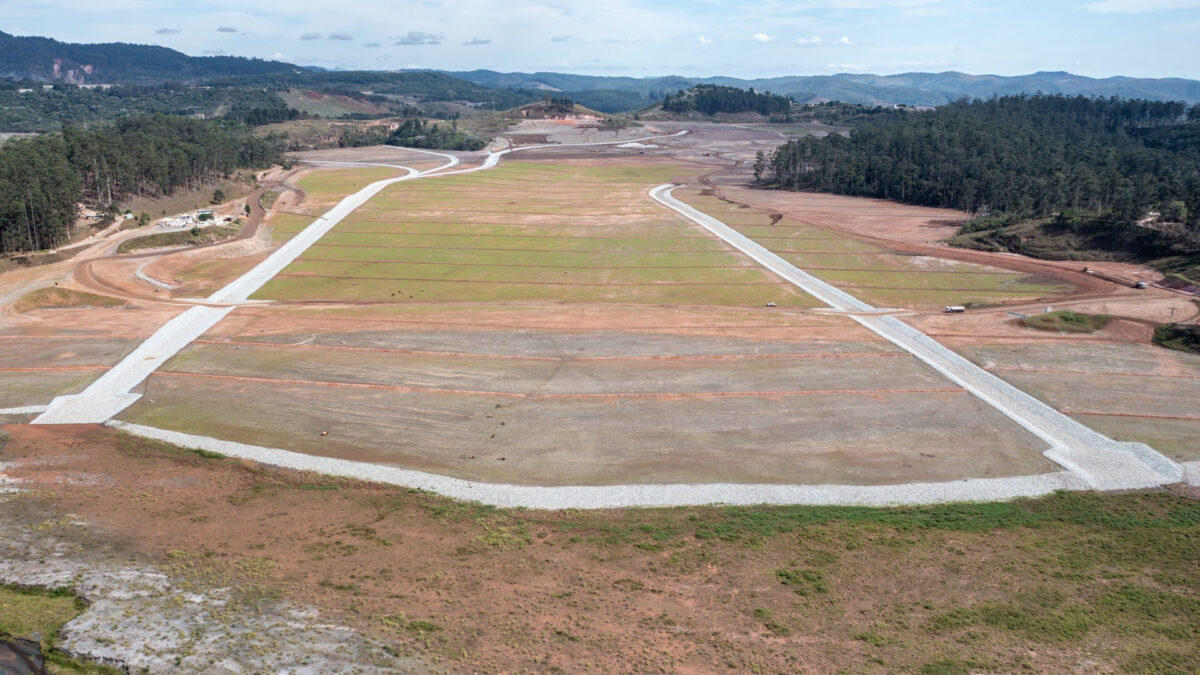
(1020, 156)
(710, 99)
(417, 133)
(44, 179)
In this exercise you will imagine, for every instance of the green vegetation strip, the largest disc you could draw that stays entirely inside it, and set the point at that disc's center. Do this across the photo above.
(1067, 321)
(38, 615)
(192, 237)
(1178, 336)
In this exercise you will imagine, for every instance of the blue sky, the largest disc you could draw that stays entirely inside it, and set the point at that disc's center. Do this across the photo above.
(1139, 38)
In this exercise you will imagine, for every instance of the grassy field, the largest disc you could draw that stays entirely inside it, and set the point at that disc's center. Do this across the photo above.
(40, 387)
(189, 237)
(1067, 321)
(525, 232)
(38, 615)
(870, 272)
(57, 298)
(1071, 581)
(327, 185)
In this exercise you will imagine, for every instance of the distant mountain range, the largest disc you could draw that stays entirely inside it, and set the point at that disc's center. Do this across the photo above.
(48, 60)
(919, 89)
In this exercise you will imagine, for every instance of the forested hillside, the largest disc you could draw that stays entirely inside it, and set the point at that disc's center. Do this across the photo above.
(49, 60)
(42, 110)
(708, 99)
(1029, 156)
(43, 179)
(914, 89)
(1119, 177)
(417, 133)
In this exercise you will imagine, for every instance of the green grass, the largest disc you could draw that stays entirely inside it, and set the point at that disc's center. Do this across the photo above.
(32, 613)
(55, 297)
(38, 614)
(191, 237)
(1067, 321)
(1178, 336)
(327, 183)
(871, 272)
(481, 237)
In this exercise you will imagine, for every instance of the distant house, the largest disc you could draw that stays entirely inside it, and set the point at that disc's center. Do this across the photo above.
(24, 91)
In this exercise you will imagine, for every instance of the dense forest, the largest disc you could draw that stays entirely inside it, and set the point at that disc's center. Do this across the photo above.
(418, 86)
(46, 59)
(1022, 156)
(710, 99)
(417, 133)
(43, 179)
(46, 110)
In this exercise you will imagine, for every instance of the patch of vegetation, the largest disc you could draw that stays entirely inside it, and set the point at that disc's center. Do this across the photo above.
(803, 582)
(193, 237)
(55, 297)
(1067, 321)
(38, 614)
(1076, 236)
(708, 99)
(1178, 336)
(417, 133)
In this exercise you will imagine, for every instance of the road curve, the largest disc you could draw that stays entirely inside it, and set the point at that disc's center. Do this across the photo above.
(1097, 459)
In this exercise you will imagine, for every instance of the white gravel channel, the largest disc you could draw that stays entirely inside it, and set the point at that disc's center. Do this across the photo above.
(1098, 460)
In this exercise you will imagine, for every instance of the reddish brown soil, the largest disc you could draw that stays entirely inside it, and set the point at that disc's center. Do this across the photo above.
(479, 590)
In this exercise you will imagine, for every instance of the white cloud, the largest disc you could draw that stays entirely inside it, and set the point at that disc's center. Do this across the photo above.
(809, 41)
(167, 31)
(561, 38)
(473, 42)
(706, 40)
(846, 66)
(371, 44)
(844, 41)
(416, 37)
(762, 37)
(310, 36)
(343, 36)
(1139, 6)
(226, 29)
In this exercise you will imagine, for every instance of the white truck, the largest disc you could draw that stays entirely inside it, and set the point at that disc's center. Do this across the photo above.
(954, 309)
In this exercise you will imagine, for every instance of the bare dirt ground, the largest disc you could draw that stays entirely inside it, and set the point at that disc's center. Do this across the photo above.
(673, 392)
(1070, 582)
(591, 407)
